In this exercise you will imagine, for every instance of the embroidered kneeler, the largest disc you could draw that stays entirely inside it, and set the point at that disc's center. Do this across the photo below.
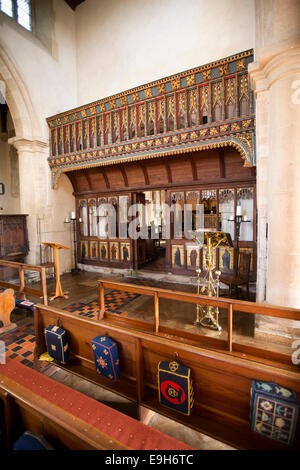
(175, 387)
(106, 357)
(57, 343)
(273, 411)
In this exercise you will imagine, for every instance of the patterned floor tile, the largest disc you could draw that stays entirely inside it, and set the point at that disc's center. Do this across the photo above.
(20, 345)
(115, 301)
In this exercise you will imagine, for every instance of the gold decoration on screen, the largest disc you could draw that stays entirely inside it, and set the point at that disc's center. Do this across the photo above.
(175, 84)
(148, 93)
(246, 124)
(190, 79)
(235, 127)
(240, 65)
(93, 131)
(223, 69)
(206, 75)
(161, 89)
(67, 133)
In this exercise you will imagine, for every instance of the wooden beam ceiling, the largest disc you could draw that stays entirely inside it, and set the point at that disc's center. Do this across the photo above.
(74, 3)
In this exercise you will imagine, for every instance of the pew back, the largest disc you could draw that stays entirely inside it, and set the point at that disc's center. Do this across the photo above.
(221, 379)
(67, 418)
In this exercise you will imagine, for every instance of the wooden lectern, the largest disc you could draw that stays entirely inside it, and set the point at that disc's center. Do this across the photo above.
(56, 247)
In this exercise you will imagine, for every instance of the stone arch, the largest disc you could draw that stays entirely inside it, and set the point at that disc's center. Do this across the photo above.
(25, 119)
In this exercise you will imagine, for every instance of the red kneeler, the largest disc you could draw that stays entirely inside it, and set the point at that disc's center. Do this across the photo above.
(128, 431)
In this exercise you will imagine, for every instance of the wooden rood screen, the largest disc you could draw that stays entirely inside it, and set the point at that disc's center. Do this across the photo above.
(21, 287)
(221, 374)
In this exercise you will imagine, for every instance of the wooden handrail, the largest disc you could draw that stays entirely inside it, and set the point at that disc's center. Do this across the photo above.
(222, 302)
(231, 305)
(156, 311)
(22, 288)
(230, 324)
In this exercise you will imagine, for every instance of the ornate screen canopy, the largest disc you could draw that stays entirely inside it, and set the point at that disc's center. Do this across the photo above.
(207, 107)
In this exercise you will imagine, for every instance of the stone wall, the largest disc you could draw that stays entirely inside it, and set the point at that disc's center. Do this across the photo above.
(126, 43)
(39, 73)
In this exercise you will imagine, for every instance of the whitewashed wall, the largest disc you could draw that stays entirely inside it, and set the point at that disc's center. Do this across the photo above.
(40, 81)
(125, 43)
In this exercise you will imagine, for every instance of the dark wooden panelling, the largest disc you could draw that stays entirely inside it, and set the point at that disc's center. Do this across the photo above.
(135, 174)
(114, 176)
(14, 244)
(157, 172)
(234, 166)
(81, 181)
(181, 169)
(207, 167)
(97, 179)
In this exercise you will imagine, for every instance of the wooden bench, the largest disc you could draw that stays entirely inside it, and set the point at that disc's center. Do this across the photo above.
(222, 379)
(21, 288)
(68, 419)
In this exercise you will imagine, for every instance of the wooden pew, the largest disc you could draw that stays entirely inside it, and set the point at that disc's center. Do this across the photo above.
(21, 288)
(67, 419)
(221, 379)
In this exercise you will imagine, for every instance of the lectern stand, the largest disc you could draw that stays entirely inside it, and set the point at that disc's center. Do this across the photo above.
(56, 247)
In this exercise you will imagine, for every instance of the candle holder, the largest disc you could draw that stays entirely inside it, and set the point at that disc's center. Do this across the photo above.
(72, 220)
(208, 315)
(238, 219)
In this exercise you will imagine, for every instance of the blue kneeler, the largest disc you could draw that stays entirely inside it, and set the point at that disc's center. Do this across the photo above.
(25, 304)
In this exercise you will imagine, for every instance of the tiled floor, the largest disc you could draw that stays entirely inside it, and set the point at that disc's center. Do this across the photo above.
(115, 301)
(20, 344)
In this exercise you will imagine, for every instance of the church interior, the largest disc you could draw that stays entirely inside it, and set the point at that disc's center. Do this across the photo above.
(149, 237)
